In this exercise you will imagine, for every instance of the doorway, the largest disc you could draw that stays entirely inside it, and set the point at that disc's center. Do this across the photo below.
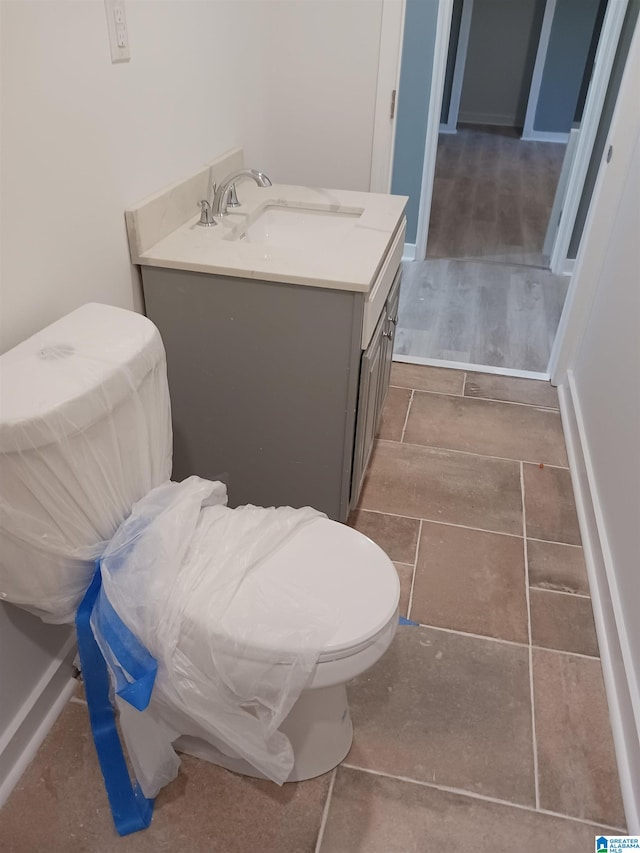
(485, 296)
(515, 87)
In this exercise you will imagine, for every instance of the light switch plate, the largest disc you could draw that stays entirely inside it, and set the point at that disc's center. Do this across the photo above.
(118, 32)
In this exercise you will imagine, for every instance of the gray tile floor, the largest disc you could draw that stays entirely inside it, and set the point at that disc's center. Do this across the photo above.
(484, 729)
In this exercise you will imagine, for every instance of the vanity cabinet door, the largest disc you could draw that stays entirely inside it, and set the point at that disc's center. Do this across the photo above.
(390, 314)
(368, 405)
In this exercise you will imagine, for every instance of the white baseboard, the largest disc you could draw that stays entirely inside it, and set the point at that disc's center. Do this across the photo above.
(21, 741)
(569, 266)
(470, 368)
(497, 119)
(409, 252)
(621, 690)
(544, 136)
(447, 128)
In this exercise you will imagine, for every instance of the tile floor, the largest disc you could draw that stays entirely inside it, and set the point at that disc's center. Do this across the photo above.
(484, 728)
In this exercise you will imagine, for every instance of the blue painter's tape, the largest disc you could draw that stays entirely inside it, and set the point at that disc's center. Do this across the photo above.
(131, 810)
(403, 621)
(134, 668)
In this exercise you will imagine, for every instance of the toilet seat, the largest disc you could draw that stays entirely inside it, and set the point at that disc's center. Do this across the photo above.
(342, 570)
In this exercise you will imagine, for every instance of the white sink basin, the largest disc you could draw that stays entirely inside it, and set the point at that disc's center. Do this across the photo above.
(299, 227)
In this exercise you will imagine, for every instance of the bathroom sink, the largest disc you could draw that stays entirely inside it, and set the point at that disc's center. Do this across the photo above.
(299, 227)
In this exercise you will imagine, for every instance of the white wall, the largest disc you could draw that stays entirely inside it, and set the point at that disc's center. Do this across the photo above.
(606, 373)
(606, 392)
(292, 81)
(601, 413)
(83, 138)
(321, 75)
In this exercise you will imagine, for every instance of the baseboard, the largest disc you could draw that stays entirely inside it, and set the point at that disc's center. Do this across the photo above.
(544, 136)
(469, 368)
(622, 693)
(499, 120)
(447, 128)
(409, 252)
(21, 742)
(569, 266)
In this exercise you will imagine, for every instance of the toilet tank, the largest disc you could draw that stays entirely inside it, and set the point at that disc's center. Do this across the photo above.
(85, 431)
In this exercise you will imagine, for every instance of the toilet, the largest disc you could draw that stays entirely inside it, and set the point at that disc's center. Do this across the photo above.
(342, 569)
(85, 432)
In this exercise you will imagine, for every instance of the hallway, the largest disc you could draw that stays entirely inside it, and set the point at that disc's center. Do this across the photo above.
(485, 296)
(492, 195)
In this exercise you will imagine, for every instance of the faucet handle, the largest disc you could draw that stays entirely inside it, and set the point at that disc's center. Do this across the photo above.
(232, 197)
(206, 215)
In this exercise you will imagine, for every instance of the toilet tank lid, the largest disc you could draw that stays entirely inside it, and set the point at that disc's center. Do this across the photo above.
(73, 373)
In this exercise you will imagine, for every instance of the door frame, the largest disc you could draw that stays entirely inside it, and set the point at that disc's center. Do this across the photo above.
(440, 51)
(625, 123)
(602, 65)
(388, 77)
(451, 124)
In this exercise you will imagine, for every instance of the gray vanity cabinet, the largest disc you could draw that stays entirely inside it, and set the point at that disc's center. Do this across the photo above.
(369, 396)
(267, 382)
(374, 384)
(391, 314)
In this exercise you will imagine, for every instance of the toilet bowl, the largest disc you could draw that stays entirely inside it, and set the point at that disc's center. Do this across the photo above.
(353, 577)
(84, 434)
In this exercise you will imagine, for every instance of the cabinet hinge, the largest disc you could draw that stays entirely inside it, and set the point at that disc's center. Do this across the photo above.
(393, 104)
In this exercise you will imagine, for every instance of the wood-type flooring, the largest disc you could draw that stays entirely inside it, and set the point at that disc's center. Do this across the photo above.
(484, 295)
(477, 312)
(492, 195)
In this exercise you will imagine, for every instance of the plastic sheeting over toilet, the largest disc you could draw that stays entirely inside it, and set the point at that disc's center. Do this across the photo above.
(85, 435)
(235, 648)
(85, 431)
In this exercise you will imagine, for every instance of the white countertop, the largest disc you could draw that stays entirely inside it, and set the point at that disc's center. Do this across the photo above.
(349, 263)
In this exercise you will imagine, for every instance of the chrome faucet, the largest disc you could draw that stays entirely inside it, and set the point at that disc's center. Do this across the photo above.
(206, 216)
(227, 189)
